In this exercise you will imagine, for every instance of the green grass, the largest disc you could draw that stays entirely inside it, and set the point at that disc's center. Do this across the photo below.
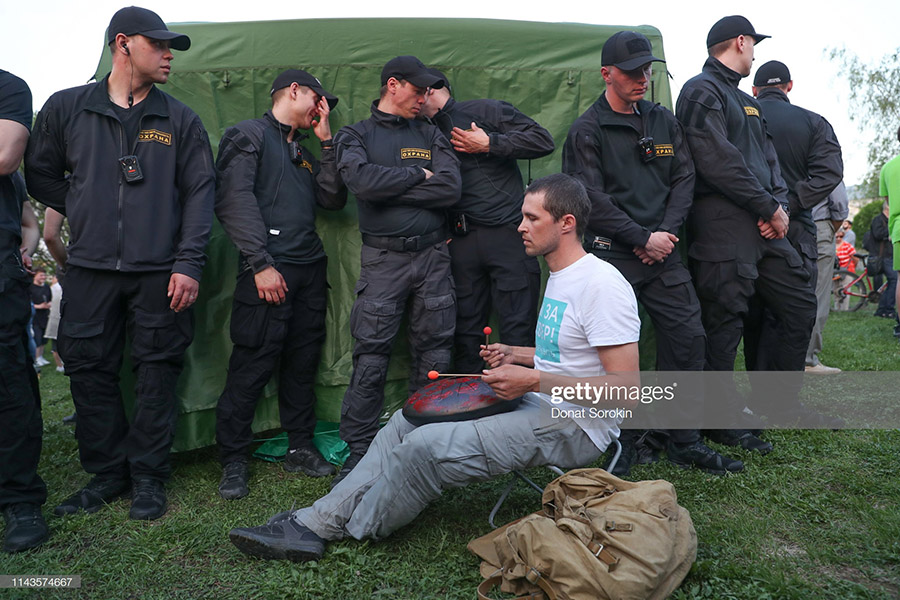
(817, 518)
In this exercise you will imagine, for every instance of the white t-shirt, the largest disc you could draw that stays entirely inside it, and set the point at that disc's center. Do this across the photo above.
(586, 305)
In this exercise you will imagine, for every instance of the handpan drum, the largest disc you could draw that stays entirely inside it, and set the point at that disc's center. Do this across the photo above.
(455, 399)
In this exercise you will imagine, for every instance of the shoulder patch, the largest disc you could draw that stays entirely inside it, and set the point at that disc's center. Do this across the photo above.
(415, 153)
(154, 135)
(751, 111)
(665, 150)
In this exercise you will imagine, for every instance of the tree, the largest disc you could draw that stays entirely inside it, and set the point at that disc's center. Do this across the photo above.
(875, 107)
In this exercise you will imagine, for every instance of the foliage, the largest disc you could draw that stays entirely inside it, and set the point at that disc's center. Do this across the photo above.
(874, 106)
(863, 220)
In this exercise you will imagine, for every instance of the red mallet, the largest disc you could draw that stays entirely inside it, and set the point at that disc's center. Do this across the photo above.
(434, 375)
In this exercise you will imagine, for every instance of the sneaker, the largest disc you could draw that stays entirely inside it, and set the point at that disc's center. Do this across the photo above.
(61, 370)
(148, 500)
(349, 464)
(897, 330)
(698, 454)
(95, 495)
(285, 539)
(308, 460)
(739, 437)
(282, 516)
(41, 361)
(821, 369)
(886, 314)
(25, 527)
(235, 480)
(73, 418)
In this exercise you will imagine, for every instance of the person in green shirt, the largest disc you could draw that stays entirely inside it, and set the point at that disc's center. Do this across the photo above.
(889, 184)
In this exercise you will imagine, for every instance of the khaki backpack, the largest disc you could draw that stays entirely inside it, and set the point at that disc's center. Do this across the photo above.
(597, 536)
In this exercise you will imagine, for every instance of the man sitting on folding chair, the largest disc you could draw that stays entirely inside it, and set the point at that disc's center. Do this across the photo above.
(588, 327)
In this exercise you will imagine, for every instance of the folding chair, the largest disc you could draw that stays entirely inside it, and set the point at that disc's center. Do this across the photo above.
(519, 475)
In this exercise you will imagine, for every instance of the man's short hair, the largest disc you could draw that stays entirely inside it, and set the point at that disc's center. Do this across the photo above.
(718, 49)
(564, 195)
(37, 270)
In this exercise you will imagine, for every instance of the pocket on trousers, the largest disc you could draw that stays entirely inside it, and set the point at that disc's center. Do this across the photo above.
(161, 336)
(81, 341)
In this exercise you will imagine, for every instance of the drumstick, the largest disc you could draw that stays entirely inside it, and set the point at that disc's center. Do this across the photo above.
(435, 375)
(487, 336)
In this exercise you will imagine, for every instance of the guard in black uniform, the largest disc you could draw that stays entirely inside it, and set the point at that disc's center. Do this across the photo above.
(268, 189)
(631, 156)
(404, 175)
(22, 491)
(740, 216)
(132, 169)
(490, 267)
(810, 159)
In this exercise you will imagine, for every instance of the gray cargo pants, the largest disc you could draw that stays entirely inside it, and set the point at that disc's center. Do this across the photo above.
(407, 467)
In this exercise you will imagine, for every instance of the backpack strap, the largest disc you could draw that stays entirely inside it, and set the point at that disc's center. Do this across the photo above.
(598, 549)
(534, 577)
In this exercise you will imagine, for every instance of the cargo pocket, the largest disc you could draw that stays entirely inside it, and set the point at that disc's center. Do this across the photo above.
(248, 324)
(440, 316)
(372, 322)
(160, 336)
(80, 343)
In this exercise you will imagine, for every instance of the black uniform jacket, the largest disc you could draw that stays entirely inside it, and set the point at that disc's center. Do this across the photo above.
(808, 151)
(492, 188)
(381, 161)
(733, 153)
(265, 201)
(630, 197)
(159, 223)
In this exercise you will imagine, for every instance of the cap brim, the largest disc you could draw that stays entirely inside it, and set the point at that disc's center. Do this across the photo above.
(426, 80)
(177, 41)
(637, 62)
(758, 37)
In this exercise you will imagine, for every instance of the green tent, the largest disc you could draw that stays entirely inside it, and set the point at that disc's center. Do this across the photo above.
(549, 71)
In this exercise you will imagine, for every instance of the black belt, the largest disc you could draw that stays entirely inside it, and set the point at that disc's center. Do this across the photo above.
(404, 244)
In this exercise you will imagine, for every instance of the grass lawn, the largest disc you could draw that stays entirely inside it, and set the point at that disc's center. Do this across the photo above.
(819, 517)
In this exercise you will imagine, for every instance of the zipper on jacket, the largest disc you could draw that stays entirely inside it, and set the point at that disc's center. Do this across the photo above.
(119, 232)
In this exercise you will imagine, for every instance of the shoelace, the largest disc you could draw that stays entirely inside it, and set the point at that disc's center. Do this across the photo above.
(145, 487)
(24, 512)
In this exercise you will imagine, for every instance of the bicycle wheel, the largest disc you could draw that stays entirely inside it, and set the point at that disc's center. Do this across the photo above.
(849, 294)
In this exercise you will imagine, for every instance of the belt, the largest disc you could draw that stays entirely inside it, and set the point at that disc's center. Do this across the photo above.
(404, 244)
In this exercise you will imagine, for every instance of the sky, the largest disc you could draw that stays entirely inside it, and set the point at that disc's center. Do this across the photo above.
(56, 44)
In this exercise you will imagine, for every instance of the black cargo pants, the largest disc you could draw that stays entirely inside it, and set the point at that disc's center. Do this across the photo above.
(97, 310)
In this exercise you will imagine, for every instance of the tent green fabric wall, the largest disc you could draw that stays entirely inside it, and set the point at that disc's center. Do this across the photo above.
(550, 71)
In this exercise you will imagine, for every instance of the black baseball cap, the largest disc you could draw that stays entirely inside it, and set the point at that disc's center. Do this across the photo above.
(772, 73)
(412, 70)
(134, 20)
(731, 27)
(444, 80)
(301, 77)
(627, 50)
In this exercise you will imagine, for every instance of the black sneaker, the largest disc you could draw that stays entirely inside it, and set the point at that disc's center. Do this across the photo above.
(307, 460)
(897, 330)
(738, 437)
(95, 495)
(349, 464)
(282, 540)
(886, 314)
(148, 500)
(25, 527)
(282, 516)
(235, 480)
(703, 457)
